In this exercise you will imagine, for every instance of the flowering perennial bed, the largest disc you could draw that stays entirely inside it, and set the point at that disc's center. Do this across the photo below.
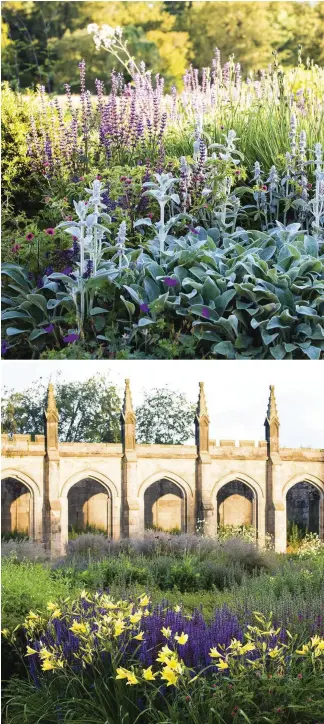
(174, 665)
(213, 200)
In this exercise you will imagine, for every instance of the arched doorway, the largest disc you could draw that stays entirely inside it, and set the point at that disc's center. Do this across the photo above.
(16, 507)
(236, 505)
(165, 506)
(303, 509)
(89, 507)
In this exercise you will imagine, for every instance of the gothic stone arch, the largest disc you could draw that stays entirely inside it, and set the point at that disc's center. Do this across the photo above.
(166, 502)
(239, 500)
(19, 497)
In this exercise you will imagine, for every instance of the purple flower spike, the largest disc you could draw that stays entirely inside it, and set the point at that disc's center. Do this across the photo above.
(170, 282)
(206, 312)
(145, 308)
(49, 329)
(71, 338)
(4, 347)
(68, 270)
(194, 231)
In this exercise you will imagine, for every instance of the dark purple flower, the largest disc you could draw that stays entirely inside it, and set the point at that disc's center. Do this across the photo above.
(49, 329)
(68, 270)
(70, 338)
(15, 248)
(170, 282)
(4, 347)
(144, 307)
(50, 231)
(205, 312)
(194, 231)
(29, 236)
(89, 269)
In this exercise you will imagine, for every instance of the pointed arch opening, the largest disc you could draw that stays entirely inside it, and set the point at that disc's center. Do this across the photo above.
(303, 503)
(89, 507)
(165, 506)
(237, 506)
(16, 508)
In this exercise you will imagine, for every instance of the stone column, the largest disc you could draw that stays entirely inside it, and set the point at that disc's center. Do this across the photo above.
(203, 505)
(53, 535)
(130, 508)
(275, 507)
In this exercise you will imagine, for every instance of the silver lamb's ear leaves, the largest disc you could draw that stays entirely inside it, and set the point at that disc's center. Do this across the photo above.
(143, 222)
(74, 231)
(90, 220)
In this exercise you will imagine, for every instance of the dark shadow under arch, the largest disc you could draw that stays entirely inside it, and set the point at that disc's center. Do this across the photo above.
(165, 506)
(16, 507)
(303, 507)
(236, 505)
(89, 507)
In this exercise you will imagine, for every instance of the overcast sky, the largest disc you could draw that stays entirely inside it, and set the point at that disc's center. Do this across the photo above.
(236, 391)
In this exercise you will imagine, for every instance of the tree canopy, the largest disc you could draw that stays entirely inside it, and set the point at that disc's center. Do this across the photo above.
(89, 411)
(165, 417)
(42, 42)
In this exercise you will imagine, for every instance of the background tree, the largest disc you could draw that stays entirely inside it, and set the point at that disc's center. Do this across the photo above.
(89, 411)
(43, 42)
(164, 417)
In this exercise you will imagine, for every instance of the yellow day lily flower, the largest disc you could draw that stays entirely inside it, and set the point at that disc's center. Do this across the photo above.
(144, 600)
(139, 636)
(172, 663)
(57, 613)
(170, 676)
(132, 680)
(148, 674)
(303, 651)
(51, 606)
(48, 665)
(247, 647)
(78, 628)
(320, 645)
(164, 654)
(221, 665)
(31, 651)
(119, 627)
(274, 653)
(146, 612)
(44, 654)
(32, 616)
(122, 673)
(126, 674)
(177, 608)
(166, 632)
(214, 654)
(315, 641)
(5, 632)
(136, 617)
(181, 639)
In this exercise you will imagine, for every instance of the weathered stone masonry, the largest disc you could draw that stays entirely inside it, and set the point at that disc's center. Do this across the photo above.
(124, 488)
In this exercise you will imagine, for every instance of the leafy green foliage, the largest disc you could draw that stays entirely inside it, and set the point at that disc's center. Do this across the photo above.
(88, 411)
(258, 296)
(164, 417)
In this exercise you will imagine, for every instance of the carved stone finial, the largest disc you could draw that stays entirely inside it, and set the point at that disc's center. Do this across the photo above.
(202, 421)
(272, 423)
(272, 412)
(202, 405)
(128, 403)
(51, 410)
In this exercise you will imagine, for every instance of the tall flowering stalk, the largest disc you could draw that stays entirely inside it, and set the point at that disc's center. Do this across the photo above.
(89, 234)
